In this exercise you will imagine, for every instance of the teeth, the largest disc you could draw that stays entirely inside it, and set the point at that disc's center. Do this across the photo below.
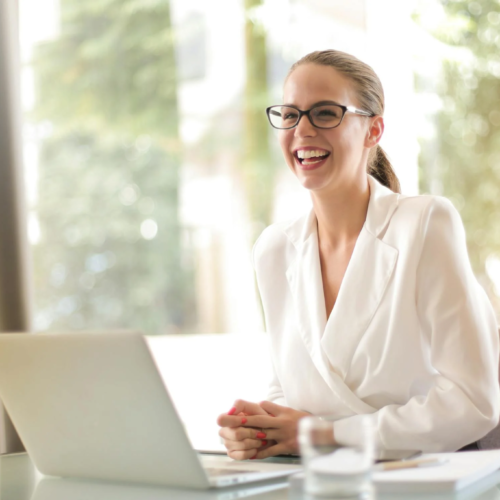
(310, 153)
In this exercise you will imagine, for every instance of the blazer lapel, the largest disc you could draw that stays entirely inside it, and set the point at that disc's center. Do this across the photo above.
(331, 344)
(306, 286)
(368, 273)
(363, 286)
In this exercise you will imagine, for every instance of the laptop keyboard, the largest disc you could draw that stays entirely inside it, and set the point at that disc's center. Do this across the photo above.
(215, 472)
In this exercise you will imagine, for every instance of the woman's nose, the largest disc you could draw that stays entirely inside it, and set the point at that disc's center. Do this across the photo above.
(305, 128)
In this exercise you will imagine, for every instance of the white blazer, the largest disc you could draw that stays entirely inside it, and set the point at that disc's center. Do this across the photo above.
(412, 337)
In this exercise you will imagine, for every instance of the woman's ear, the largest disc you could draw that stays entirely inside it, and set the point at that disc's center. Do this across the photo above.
(375, 131)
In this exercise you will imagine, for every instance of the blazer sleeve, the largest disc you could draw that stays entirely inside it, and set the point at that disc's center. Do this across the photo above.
(459, 327)
(275, 392)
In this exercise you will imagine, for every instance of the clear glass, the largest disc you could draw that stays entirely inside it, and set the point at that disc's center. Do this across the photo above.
(337, 467)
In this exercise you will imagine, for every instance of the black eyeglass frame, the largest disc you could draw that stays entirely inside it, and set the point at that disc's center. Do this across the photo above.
(345, 109)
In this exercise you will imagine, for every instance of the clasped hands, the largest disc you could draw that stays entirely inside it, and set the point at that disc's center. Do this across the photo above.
(257, 431)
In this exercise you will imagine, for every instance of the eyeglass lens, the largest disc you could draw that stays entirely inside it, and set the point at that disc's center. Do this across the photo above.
(328, 116)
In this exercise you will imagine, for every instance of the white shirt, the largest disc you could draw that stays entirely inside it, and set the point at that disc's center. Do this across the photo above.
(412, 337)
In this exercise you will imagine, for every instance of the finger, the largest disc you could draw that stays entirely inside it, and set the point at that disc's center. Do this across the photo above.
(272, 408)
(225, 420)
(271, 451)
(246, 444)
(242, 454)
(267, 444)
(246, 407)
(270, 434)
(241, 433)
(262, 422)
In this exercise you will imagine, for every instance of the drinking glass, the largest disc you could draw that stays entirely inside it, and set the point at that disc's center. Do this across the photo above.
(337, 466)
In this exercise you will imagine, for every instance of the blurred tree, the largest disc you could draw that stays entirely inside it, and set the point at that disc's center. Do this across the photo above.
(259, 169)
(110, 253)
(463, 161)
(112, 66)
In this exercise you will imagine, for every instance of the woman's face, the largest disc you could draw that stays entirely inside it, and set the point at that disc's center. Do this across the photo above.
(345, 147)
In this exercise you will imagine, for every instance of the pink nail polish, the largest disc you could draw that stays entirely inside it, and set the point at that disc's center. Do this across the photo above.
(244, 421)
(254, 457)
(260, 435)
(232, 411)
(264, 442)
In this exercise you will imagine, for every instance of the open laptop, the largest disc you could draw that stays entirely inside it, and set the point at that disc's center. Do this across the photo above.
(55, 488)
(93, 405)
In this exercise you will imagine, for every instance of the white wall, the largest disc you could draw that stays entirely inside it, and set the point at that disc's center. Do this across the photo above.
(205, 374)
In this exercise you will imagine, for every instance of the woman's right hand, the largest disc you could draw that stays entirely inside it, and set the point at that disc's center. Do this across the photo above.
(241, 442)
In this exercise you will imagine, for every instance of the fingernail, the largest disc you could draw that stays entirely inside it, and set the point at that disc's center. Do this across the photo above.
(231, 411)
(244, 421)
(264, 442)
(254, 457)
(260, 435)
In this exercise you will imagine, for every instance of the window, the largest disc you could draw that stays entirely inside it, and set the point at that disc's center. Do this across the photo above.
(459, 91)
(151, 168)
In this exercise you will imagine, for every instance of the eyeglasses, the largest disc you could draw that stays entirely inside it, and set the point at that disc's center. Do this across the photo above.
(320, 116)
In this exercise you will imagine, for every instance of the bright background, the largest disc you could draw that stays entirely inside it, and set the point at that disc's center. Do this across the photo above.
(150, 167)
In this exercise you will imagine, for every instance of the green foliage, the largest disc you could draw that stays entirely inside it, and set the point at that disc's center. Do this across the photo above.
(93, 267)
(111, 67)
(465, 158)
(107, 87)
(258, 165)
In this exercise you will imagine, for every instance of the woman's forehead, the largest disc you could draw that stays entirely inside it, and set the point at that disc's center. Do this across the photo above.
(312, 83)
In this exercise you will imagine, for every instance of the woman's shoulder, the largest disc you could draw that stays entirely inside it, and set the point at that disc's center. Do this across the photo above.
(425, 220)
(425, 207)
(276, 241)
(424, 201)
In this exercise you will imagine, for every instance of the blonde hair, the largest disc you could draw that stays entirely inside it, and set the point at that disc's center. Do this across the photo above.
(371, 98)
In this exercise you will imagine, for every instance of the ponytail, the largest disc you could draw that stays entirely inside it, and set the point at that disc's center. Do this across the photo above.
(380, 167)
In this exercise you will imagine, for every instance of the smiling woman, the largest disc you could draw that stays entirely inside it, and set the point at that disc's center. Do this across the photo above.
(369, 299)
(363, 87)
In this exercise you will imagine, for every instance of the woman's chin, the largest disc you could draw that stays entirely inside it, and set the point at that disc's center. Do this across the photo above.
(312, 184)
(312, 180)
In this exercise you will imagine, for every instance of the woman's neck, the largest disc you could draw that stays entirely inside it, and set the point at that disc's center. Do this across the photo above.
(341, 214)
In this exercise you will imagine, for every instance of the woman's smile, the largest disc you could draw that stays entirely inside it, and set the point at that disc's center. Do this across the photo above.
(309, 149)
(310, 157)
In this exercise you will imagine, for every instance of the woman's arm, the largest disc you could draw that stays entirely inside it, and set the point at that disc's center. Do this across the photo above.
(459, 326)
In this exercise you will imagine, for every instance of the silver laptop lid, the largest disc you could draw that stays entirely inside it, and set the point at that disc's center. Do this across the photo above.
(94, 405)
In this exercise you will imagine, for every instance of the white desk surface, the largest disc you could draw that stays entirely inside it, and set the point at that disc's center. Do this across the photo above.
(19, 480)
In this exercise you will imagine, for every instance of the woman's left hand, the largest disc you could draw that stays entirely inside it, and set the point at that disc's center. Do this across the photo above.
(281, 425)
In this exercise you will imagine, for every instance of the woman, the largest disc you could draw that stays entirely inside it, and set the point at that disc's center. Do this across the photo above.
(369, 300)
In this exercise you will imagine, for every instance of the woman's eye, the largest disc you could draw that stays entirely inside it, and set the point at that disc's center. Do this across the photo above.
(290, 116)
(327, 113)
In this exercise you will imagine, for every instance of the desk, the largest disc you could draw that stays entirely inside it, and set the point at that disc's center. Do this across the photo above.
(19, 480)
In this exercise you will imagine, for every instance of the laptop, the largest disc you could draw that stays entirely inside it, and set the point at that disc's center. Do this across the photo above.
(54, 488)
(93, 405)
